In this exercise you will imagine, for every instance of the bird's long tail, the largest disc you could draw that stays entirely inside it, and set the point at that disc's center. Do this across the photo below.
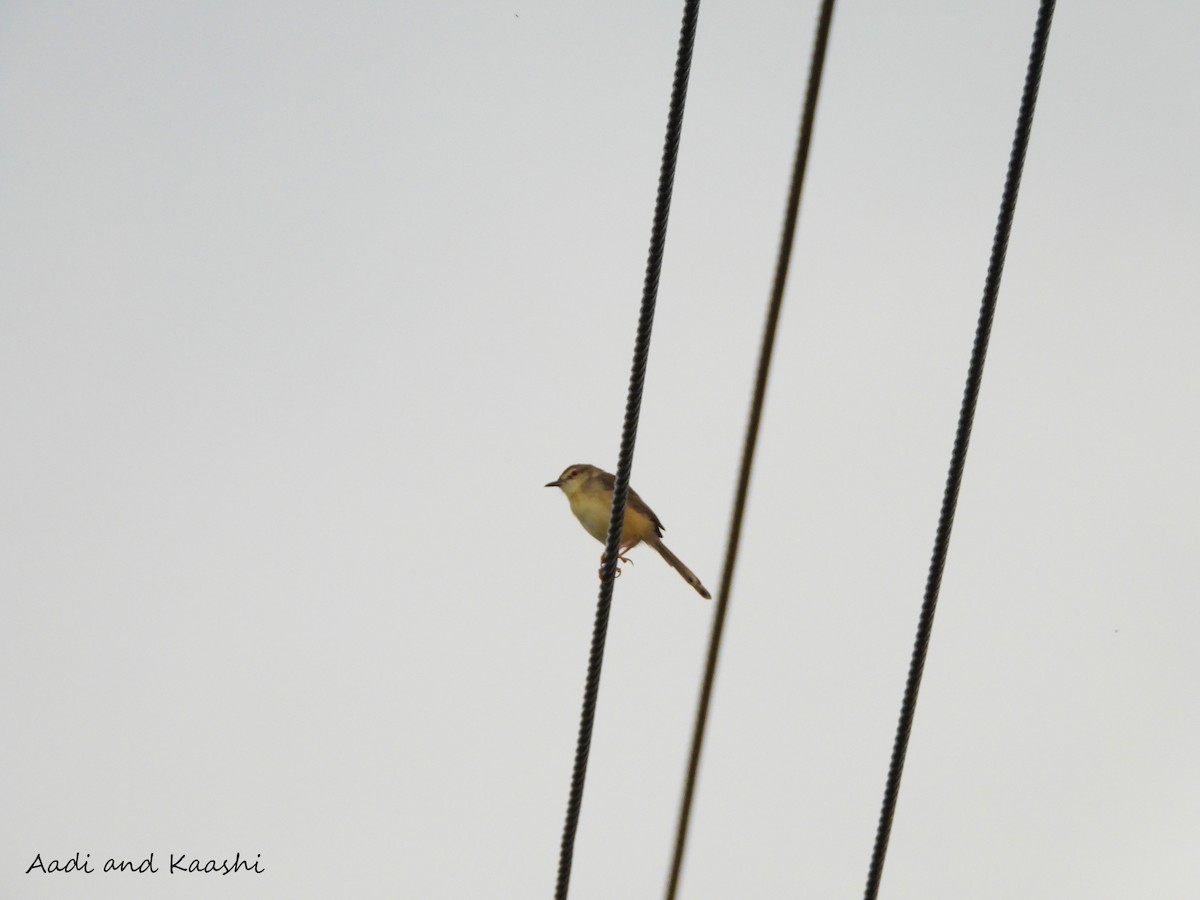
(677, 564)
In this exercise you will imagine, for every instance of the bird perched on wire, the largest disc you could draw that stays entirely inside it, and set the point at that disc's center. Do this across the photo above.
(590, 492)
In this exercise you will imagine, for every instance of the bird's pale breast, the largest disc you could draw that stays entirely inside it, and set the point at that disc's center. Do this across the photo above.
(593, 511)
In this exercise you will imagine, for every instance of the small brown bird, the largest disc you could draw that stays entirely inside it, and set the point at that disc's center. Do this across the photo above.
(590, 491)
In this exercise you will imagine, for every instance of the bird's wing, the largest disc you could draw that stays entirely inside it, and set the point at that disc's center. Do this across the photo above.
(610, 484)
(640, 505)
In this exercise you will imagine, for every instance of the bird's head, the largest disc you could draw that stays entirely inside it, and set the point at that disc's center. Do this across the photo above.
(573, 478)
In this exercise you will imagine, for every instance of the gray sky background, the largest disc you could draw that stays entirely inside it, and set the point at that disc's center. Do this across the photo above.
(303, 303)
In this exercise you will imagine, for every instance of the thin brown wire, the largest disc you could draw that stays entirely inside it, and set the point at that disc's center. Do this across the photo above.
(816, 68)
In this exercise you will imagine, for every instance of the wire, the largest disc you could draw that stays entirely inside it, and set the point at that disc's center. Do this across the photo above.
(637, 378)
(816, 68)
(962, 438)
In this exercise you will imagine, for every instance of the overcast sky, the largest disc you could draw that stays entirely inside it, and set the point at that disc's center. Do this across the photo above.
(301, 304)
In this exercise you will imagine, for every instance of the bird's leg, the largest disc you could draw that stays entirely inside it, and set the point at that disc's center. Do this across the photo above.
(625, 549)
(603, 557)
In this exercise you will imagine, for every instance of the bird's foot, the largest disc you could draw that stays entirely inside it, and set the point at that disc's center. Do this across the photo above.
(603, 558)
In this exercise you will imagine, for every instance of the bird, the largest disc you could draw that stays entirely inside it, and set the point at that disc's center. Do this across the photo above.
(590, 492)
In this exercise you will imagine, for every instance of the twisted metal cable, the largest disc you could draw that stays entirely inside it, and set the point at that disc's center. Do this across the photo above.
(962, 438)
(637, 378)
(783, 262)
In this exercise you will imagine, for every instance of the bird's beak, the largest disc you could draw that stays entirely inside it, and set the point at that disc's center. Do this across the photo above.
(554, 484)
